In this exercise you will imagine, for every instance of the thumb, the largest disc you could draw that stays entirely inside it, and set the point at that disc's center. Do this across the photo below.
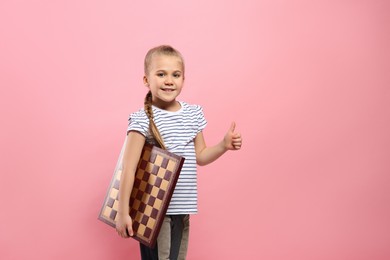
(129, 231)
(232, 127)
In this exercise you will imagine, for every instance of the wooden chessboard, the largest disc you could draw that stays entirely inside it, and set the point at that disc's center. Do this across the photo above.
(157, 173)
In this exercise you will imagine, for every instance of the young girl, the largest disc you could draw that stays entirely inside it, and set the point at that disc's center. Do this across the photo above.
(177, 127)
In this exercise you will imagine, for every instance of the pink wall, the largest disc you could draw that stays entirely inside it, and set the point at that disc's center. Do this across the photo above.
(306, 81)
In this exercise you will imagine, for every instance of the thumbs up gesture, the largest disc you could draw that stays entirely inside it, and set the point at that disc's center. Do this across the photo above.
(232, 139)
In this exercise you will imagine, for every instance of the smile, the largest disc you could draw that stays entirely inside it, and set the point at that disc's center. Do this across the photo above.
(167, 89)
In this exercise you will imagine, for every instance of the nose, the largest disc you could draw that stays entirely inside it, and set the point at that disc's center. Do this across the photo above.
(168, 80)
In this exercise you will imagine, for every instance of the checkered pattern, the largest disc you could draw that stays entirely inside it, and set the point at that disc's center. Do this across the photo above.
(155, 180)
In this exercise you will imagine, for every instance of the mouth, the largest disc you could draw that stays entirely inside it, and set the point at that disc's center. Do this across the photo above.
(168, 89)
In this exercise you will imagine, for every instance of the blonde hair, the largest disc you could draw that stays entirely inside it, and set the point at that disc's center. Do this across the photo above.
(152, 126)
(159, 50)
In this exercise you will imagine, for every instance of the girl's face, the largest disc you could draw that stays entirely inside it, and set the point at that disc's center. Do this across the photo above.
(165, 80)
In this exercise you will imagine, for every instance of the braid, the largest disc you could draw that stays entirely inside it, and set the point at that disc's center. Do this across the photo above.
(152, 126)
(159, 50)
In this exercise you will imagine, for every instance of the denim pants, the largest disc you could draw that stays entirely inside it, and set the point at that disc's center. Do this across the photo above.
(172, 241)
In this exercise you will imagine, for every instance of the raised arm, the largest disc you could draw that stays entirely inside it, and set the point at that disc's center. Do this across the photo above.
(206, 155)
(132, 153)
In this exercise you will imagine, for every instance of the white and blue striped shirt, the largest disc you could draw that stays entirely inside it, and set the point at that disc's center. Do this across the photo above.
(178, 130)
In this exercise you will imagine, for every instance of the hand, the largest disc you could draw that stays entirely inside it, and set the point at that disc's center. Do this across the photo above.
(232, 140)
(124, 226)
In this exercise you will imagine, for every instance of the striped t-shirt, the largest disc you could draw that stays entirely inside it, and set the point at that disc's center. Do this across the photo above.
(178, 130)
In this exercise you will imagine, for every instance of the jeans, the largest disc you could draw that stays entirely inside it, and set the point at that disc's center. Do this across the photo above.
(172, 241)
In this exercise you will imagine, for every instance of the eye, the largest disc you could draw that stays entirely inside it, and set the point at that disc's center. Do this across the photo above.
(177, 75)
(160, 74)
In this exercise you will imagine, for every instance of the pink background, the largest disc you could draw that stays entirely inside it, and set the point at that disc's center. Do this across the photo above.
(306, 81)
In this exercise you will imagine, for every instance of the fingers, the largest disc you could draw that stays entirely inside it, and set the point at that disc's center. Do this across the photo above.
(125, 233)
(233, 141)
(122, 233)
(237, 141)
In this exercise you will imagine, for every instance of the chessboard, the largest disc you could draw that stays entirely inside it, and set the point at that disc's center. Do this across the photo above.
(156, 177)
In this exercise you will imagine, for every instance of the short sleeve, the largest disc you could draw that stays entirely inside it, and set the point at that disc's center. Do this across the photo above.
(200, 118)
(139, 122)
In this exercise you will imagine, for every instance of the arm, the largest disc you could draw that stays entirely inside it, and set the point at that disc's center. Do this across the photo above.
(132, 153)
(206, 155)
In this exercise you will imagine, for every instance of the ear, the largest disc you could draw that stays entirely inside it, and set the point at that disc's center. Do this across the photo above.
(146, 82)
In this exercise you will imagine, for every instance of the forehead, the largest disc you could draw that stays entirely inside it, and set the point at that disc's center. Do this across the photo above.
(165, 62)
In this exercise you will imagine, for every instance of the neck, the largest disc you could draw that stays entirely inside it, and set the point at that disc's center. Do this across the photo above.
(171, 106)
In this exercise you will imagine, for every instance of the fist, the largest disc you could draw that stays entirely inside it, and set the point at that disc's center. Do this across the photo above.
(232, 139)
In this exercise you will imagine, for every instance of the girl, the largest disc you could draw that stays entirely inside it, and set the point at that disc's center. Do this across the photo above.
(177, 127)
